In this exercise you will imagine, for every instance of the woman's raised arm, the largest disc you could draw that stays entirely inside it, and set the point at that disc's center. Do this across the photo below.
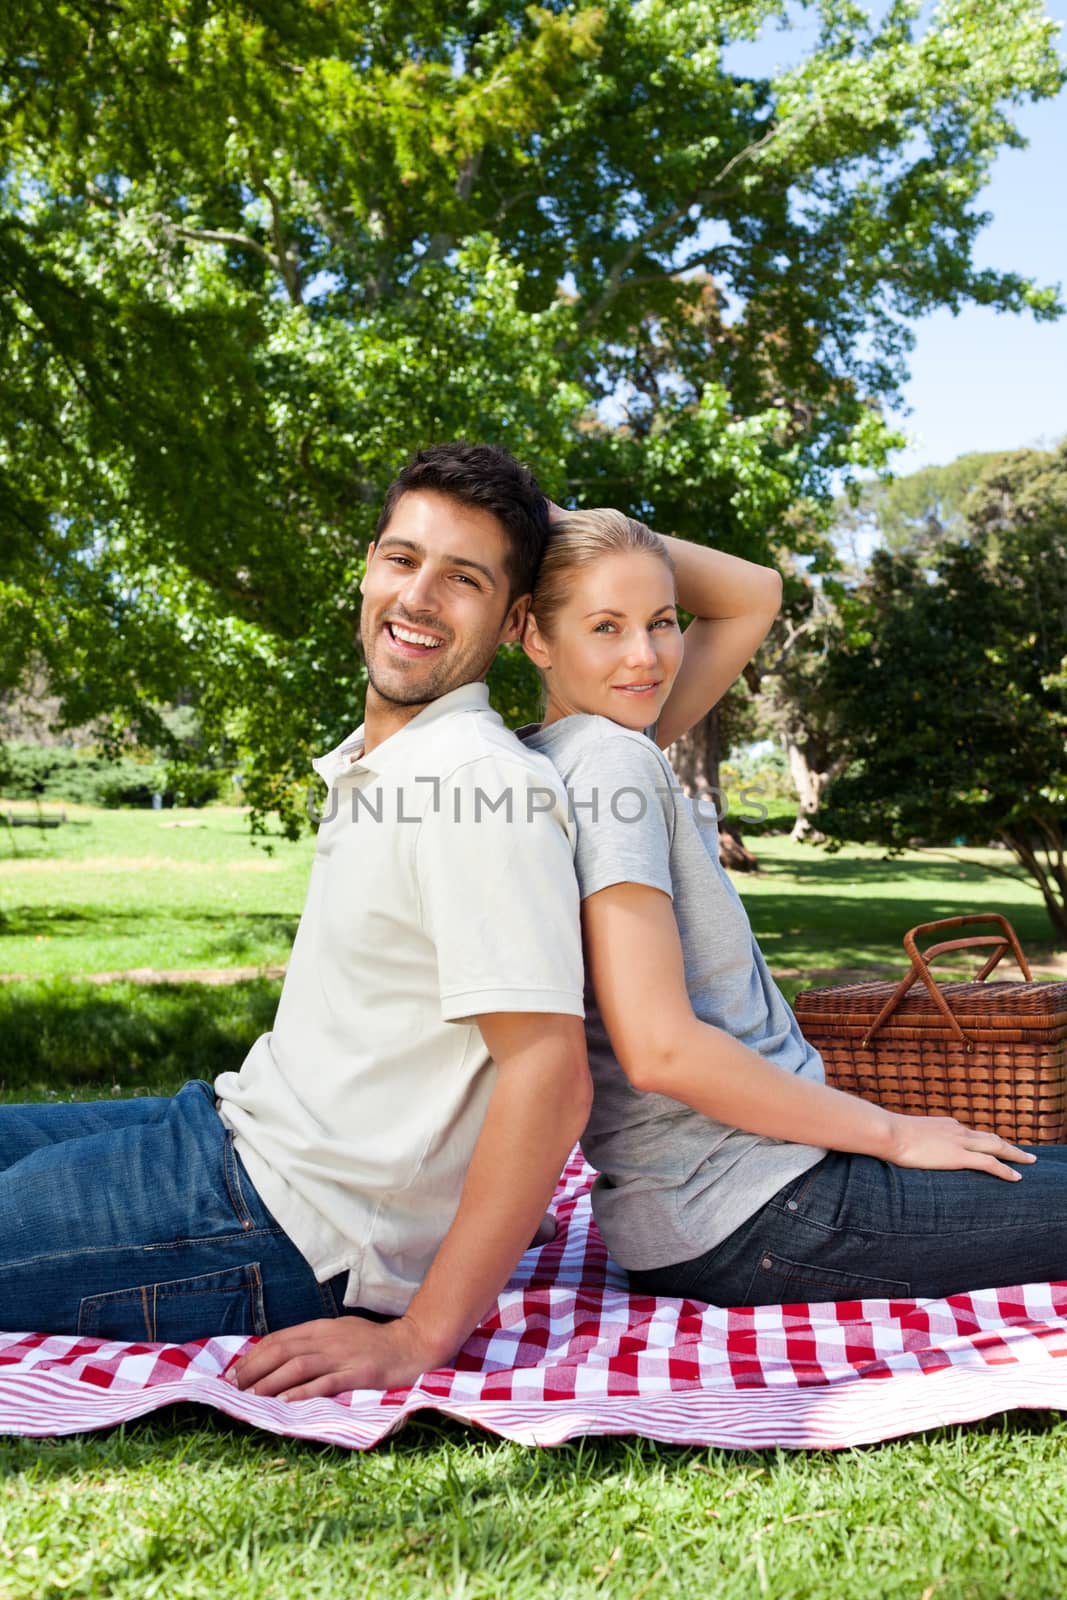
(733, 603)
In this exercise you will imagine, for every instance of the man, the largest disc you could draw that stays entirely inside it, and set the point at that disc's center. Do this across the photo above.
(391, 1145)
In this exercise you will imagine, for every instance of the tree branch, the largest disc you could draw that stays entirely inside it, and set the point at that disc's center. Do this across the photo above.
(288, 265)
(240, 241)
(1003, 872)
(1026, 856)
(700, 197)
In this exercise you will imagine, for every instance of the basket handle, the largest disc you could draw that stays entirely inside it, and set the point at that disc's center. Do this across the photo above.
(1003, 941)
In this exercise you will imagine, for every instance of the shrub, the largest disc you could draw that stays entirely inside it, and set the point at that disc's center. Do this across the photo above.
(87, 777)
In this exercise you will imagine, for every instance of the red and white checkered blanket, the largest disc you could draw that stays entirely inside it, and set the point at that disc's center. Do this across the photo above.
(568, 1351)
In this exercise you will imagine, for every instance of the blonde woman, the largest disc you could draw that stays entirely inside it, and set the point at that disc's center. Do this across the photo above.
(728, 1170)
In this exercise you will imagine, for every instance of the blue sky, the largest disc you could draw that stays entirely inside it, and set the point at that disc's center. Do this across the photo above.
(983, 381)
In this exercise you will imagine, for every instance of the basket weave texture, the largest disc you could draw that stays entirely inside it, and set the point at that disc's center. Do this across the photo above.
(994, 1055)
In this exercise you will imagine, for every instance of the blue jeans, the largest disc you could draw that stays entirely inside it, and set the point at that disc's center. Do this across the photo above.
(135, 1219)
(854, 1226)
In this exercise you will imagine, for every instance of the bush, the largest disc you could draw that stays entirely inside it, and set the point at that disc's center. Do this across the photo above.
(127, 782)
(87, 777)
(50, 772)
(187, 784)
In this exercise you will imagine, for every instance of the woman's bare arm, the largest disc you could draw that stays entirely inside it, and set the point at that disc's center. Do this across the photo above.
(734, 603)
(634, 958)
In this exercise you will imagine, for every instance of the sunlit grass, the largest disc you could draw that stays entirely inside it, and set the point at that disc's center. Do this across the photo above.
(111, 891)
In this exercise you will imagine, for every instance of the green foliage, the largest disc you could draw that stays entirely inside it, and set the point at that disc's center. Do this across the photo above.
(50, 772)
(253, 255)
(919, 511)
(87, 777)
(951, 704)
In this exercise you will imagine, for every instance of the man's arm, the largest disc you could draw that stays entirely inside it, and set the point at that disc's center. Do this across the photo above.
(538, 1108)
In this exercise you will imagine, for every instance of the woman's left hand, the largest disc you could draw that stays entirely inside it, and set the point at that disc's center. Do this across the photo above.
(942, 1143)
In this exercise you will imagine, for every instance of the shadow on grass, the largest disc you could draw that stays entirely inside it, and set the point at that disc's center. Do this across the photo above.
(812, 863)
(68, 1038)
(28, 921)
(823, 929)
(220, 1439)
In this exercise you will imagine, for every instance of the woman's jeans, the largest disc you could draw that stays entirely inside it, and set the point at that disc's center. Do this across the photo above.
(135, 1219)
(853, 1226)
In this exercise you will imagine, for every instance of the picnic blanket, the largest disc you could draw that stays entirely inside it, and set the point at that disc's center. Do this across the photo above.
(568, 1351)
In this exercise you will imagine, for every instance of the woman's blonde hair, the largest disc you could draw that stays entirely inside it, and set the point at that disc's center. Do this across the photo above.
(576, 541)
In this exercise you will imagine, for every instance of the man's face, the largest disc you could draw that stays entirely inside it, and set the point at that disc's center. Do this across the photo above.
(435, 599)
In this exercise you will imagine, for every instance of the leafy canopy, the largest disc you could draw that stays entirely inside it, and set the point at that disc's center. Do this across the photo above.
(255, 251)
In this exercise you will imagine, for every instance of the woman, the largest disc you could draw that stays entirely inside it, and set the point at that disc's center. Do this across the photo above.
(729, 1170)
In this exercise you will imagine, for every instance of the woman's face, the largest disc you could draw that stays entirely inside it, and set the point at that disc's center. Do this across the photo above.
(616, 645)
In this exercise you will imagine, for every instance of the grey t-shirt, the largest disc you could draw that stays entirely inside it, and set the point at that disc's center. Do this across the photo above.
(672, 1183)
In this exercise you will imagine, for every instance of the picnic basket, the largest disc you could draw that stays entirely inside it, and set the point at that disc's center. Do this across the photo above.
(994, 1055)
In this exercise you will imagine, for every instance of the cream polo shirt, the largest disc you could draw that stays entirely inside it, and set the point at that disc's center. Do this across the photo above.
(442, 890)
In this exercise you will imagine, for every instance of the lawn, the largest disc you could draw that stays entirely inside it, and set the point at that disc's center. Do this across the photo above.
(113, 890)
(187, 1504)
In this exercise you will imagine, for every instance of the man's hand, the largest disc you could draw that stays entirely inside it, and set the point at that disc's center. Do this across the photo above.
(943, 1144)
(332, 1356)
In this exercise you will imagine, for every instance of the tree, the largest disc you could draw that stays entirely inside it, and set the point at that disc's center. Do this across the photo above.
(951, 703)
(788, 677)
(917, 512)
(254, 250)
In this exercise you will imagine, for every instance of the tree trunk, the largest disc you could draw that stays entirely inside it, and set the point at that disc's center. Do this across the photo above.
(696, 759)
(1027, 858)
(810, 786)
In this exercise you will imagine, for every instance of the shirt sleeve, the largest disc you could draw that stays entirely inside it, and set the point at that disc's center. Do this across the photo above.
(498, 893)
(622, 800)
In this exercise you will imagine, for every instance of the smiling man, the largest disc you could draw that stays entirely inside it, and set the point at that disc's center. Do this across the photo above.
(389, 1147)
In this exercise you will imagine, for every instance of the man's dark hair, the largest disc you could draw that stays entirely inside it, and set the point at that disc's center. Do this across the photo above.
(488, 477)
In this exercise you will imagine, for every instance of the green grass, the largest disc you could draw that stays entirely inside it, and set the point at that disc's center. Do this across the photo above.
(189, 1504)
(186, 1505)
(812, 911)
(114, 890)
(64, 1039)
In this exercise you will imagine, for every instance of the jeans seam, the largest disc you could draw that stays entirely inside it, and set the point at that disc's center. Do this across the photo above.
(233, 1185)
(800, 1277)
(260, 1324)
(147, 1295)
(130, 1248)
(796, 1198)
(328, 1299)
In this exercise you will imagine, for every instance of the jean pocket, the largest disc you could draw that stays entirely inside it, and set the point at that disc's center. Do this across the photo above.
(177, 1312)
(776, 1280)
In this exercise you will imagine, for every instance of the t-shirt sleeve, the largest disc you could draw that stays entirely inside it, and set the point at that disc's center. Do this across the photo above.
(498, 893)
(622, 802)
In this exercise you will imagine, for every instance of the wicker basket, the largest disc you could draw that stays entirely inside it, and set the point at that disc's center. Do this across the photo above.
(992, 1054)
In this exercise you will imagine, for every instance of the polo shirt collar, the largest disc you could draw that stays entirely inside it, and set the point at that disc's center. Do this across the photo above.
(348, 756)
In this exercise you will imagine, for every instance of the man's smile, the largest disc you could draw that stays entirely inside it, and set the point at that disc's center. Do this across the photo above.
(410, 642)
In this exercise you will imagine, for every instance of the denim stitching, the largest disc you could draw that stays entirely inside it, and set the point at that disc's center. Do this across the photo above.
(251, 1284)
(255, 1298)
(829, 1278)
(233, 1185)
